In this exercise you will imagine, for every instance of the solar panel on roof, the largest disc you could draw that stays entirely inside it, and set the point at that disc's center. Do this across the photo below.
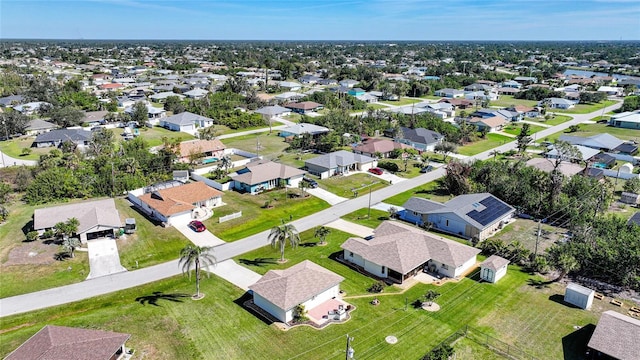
(494, 209)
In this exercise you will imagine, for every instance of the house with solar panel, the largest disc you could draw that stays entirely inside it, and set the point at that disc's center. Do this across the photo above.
(470, 216)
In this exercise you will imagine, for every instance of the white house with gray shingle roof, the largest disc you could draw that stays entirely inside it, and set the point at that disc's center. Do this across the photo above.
(259, 176)
(278, 292)
(186, 122)
(468, 216)
(339, 162)
(398, 251)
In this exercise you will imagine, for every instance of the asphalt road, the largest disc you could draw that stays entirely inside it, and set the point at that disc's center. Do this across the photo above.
(107, 284)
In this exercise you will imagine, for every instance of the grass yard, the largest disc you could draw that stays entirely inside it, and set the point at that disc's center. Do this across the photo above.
(413, 167)
(556, 120)
(154, 135)
(255, 218)
(166, 325)
(361, 217)
(429, 190)
(403, 101)
(482, 145)
(295, 159)
(344, 185)
(526, 231)
(594, 129)
(508, 100)
(467, 349)
(586, 108)
(514, 128)
(13, 148)
(376, 106)
(271, 145)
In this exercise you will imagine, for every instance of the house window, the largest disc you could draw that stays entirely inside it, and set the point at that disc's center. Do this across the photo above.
(447, 223)
(383, 270)
(350, 254)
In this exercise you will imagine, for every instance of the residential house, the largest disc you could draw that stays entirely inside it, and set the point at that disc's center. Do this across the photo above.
(584, 154)
(125, 101)
(186, 122)
(110, 86)
(634, 219)
(478, 87)
(259, 176)
(611, 90)
(511, 84)
(379, 148)
(39, 126)
(289, 96)
(481, 95)
(61, 342)
(93, 118)
(491, 124)
(604, 161)
(205, 150)
(604, 142)
(449, 93)
(493, 268)
(526, 111)
(626, 120)
(557, 103)
(11, 100)
(356, 92)
(309, 79)
(526, 80)
(471, 216)
(97, 218)
(440, 109)
(30, 108)
(507, 91)
(304, 107)
(349, 83)
(196, 93)
(55, 138)
(300, 129)
(616, 337)
(161, 97)
(154, 114)
(368, 98)
(421, 139)
(566, 168)
(399, 251)
(174, 202)
(270, 112)
(339, 163)
(279, 292)
(290, 86)
(458, 103)
(630, 198)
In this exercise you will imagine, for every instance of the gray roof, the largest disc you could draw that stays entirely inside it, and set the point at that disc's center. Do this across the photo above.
(74, 135)
(185, 118)
(295, 285)
(265, 171)
(479, 210)
(89, 213)
(617, 336)
(39, 124)
(635, 219)
(304, 128)
(585, 152)
(339, 158)
(11, 99)
(494, 262)
(579, 289)
(402, 248)
(599, 141)
(421, 135)
(272, 110)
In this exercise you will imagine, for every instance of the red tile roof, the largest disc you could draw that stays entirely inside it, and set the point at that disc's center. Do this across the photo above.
(110, 86)
(179, 199)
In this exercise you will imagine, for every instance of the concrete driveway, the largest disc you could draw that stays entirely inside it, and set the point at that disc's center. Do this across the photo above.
(236, 274)
(387, 176)
(205, 238)
(351, 228)
(327, 196)
(104, 258)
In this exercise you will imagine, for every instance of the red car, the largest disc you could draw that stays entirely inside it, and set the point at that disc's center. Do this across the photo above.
(376, 171)
(197, 226)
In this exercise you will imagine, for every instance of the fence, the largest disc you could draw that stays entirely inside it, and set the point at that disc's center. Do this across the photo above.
(212, 183)
(230, 217)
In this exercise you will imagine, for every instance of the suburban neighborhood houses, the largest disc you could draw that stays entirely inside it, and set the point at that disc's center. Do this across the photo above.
(263, 200)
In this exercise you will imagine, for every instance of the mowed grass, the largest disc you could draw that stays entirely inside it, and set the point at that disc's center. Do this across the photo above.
(14, 147)
(153, 136)
(482, 145)
(403, 101)
(555, 120)
(218, 327)
(413, 167)
(269, 145)
(429, 190)
(361, 217)
(508, 100)
(587, 130)
(467, 349)
(585, 108)
(345, 185)
(255, 218)
(514, 128)
(376, 106)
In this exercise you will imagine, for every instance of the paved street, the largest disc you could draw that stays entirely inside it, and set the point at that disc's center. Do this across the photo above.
(6, 161)
(111, 283)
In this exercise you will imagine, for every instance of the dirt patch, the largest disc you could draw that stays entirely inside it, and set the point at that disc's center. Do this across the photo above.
(34, 253)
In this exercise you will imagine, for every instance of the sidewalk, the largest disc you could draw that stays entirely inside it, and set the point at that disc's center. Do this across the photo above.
(351, 228)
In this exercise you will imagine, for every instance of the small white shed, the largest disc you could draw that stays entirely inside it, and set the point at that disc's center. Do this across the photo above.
(579, 296)
(493, 269)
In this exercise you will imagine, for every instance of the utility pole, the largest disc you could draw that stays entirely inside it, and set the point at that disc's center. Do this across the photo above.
(349, 352)
(535, 253)
(369, 212)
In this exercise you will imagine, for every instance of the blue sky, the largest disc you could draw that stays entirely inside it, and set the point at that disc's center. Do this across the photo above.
(322, 19)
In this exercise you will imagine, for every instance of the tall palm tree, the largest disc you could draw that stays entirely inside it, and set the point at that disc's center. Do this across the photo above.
(303, 185)
(226, 163)
(322, 233)
(279, 235)
(196, 257)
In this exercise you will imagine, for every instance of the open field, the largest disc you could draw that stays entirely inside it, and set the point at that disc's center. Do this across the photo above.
(491, 141)
(413, 167)
(166, 325)
(585, 108)
(376, 106)
(594, 129)
(255, 218)
(429, 190)
(291, 158)
(403, 101)
(508, 100)
(361, 217)
(344, 185)
(526, 231)
(270, 145)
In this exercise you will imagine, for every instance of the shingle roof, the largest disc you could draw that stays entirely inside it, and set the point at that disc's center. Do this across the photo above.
(339, 158)
(635, 219)
(39, 124)
(74, 135)
(494, 262)
(272, 110)
(89, 213)
(262, 172)
(421, 135)
(617, 335)
(295, 285)
(305, 105)
(382, 146)
(179, 198)
(60, 342)
(402, 247)
(185, 118)
(304, 128)
(599, 141)
(200, 146)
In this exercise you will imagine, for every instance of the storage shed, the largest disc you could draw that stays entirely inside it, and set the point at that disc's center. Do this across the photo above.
(579, 296)
(493, 269)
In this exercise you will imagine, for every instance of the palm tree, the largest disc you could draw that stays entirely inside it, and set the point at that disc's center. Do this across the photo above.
(226, 163)
(565, 263)
(70, 244)
(68, 228)
(279, 235)
(494, 153)
(196, 257)
(322, 233)
(303, 185)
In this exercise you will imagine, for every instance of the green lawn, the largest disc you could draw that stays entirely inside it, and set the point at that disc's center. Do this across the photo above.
(344, 185)
(255, 218)
(430, 191)
(413, 167)
(295, 159)
(514, 128)
(556, 120)
(491, 141)
(271, 145)
(586, 108)
(467, 349)
(376, 106)
(594, 129)
(403, 101)
(13, 148)
(165, 325)
(361, 217)
(154, 135)
(508, 100)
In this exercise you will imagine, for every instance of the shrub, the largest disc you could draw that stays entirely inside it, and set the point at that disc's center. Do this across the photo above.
(440, 352)
(32, 235)
(389, 166)
(48, 234)
(377, 287)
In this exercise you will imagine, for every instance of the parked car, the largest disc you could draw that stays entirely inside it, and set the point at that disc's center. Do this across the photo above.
(426, 169)
(312, 183)
(197, 226)
(376, 171)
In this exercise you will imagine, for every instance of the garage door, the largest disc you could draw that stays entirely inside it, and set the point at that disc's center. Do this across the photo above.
(180, 218)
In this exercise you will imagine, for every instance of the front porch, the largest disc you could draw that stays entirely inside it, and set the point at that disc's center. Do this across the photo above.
(334, 310)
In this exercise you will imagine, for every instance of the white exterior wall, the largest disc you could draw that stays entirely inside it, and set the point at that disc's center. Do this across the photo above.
(444, 269)
(491, 276)
(367, 166)
(272, 309)
(184, 217)
(578, 299)
(294, 181)
(370, 267)
(330, 293)
(464, 267)
(500, 273)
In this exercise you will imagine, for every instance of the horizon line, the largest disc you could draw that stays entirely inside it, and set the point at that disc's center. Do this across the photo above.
(316, 40)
